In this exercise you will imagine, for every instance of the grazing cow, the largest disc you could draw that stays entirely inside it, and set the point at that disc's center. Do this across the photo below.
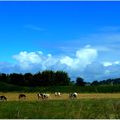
(73, 95)
(3, 98)
(22, 96)
(46, 95)
(42, 95)
(57, 94)
(39, 95)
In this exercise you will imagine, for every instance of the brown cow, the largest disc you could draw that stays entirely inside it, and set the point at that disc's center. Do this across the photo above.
(22, 96)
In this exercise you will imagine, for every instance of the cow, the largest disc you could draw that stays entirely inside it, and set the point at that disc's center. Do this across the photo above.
(46, 95)
(3, 98)
(57, 94)
(73, 95)
(39, 95)
(43, 95)
(22, 96)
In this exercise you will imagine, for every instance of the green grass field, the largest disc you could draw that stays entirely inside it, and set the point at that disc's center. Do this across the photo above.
(80, 108)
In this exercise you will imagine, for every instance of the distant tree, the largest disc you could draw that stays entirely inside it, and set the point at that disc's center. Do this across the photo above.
(16, 79)
(47, 77)
(95, 82)
(3, 77)
(116, 81)
(103, 82)
(37, 79)
(80, 81)
(61, 78)
(28, 79)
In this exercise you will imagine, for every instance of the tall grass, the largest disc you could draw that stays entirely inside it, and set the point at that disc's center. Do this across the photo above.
(63, 109)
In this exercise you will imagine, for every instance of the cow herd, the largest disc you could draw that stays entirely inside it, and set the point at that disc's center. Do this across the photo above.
(40, 96)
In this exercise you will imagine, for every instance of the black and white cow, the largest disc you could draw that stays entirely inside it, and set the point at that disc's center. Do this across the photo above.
(43, 95)
(3, 98)
(73, 95)
(39, 95)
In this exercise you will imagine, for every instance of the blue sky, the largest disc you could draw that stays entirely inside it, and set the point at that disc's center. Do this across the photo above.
(82, 38)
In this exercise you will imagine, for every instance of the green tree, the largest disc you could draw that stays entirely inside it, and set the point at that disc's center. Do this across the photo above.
(28, 79)
(37, 79)
(80, 81)
(16, 79)
(95, 82)
(62, 78)
(48, 77)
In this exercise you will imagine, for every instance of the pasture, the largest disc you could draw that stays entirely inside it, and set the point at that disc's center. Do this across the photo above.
(13, 96)
(61, 109)
(86, 106)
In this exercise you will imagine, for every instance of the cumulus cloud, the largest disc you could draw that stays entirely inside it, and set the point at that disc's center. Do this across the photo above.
(67, 60)
(29, 60)
(82, 57)
(25, 59)
(86, 56)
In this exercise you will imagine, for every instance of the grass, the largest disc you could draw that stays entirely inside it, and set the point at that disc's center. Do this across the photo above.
(86, 106)
(61, 109)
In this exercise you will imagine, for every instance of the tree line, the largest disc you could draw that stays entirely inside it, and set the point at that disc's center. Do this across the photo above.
(51, 78)
(45, 78)
(114, 81)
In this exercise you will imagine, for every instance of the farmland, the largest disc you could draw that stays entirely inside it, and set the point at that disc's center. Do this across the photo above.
(13, 96)
(100, 105)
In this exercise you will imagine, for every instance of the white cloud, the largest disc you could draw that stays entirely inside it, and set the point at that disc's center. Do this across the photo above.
(67, 60)
(117, 62)
(87, 55)
(82, 58)
(25, 59)
(106, 64)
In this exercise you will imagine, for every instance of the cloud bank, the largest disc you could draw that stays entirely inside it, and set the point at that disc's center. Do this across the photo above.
(82, 58)
(83, 63)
